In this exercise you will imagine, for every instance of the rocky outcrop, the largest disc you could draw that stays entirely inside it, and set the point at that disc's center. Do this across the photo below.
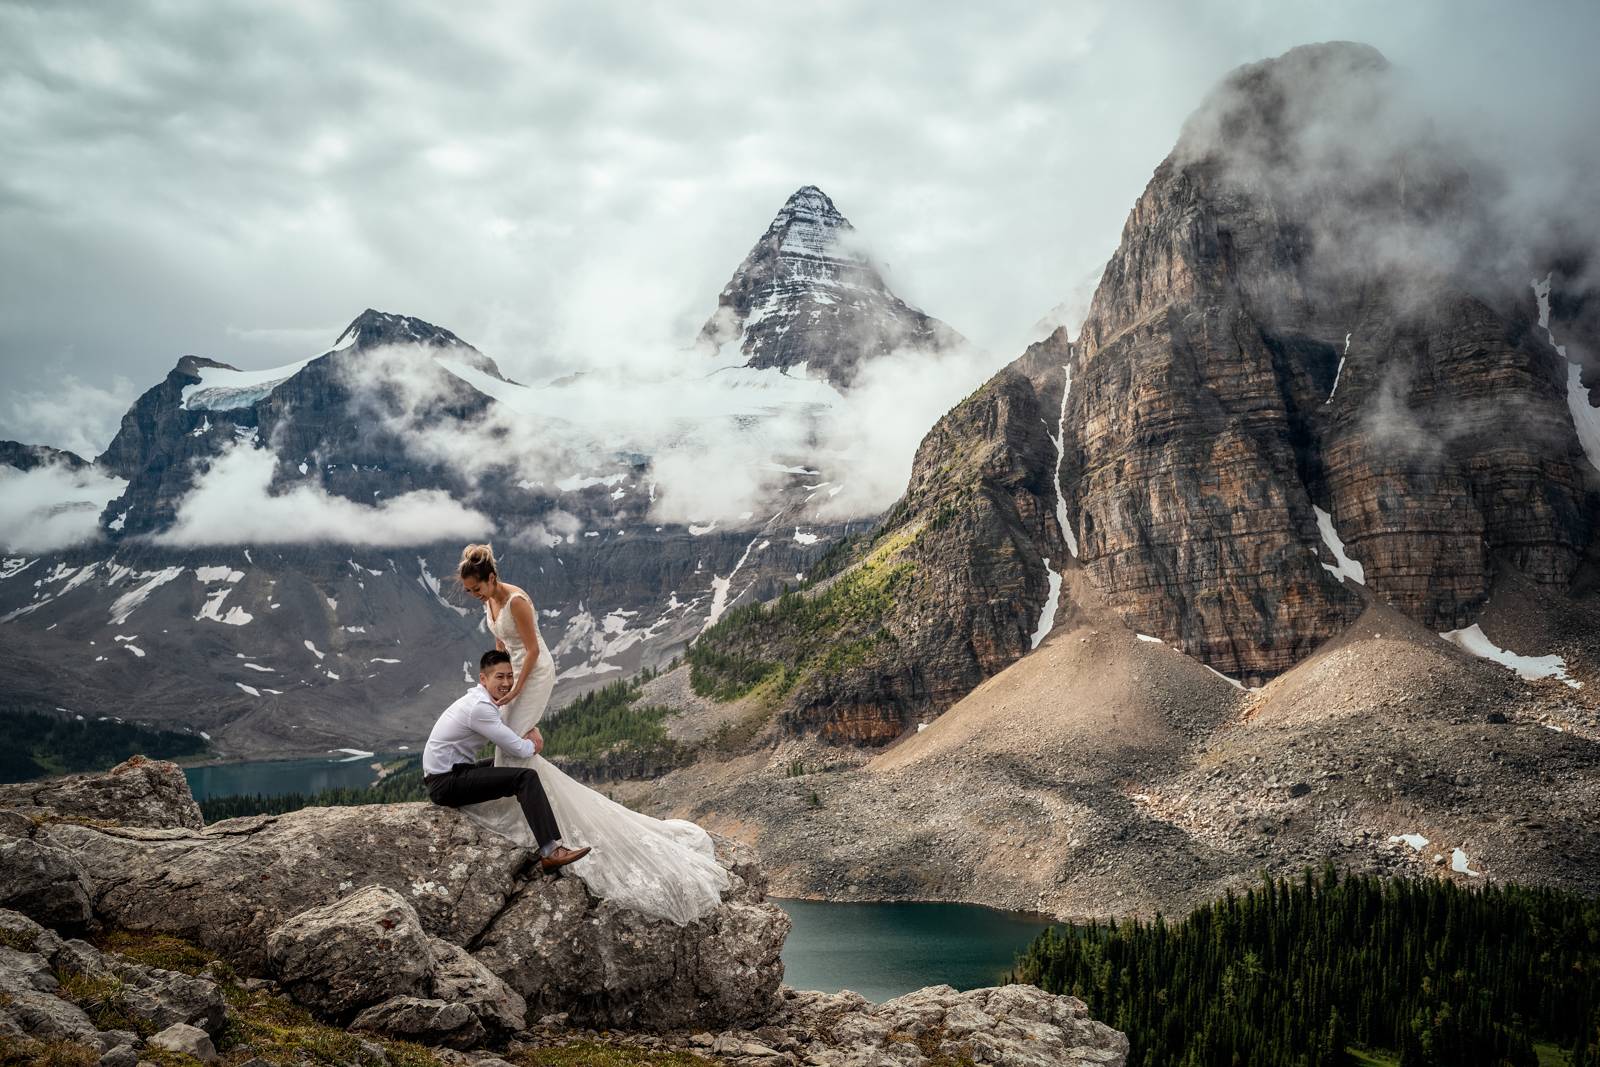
(808, 295)
(448, 942)
(1015, 1024)
(229, 886)
(932, 1027)
(34, 963)
(136, 792)
(367, 957)
(38, 878)
(28, 457)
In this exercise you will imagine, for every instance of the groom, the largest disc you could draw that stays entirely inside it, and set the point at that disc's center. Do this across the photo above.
(454, 777)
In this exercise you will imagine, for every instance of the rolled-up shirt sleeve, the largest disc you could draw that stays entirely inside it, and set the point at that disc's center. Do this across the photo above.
(485, 720)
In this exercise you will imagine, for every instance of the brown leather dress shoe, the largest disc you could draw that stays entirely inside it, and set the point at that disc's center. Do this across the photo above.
(561, 857)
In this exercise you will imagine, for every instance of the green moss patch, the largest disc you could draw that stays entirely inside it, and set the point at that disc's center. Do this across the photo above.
(593, 1054)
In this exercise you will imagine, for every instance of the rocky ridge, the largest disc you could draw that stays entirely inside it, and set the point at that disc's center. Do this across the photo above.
(408, 922)
(303, 646)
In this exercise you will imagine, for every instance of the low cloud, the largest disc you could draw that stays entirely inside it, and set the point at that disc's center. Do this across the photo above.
(869, 441)
(52, 506)
(231, 503)
(720, 443)
(72, 414)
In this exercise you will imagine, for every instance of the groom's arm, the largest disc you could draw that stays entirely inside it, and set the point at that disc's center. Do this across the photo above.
(485, 721)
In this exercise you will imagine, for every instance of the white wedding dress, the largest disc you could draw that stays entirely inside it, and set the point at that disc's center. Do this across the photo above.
(665, 868)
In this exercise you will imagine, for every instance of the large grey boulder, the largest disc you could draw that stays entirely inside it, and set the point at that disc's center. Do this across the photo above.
(343, 956)
(38, 878)
(368, 953)
(136, 792)
(609, 967)
(228, 886)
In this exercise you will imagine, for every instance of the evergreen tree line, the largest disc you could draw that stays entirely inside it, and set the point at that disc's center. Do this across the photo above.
(35, 743)
(399, 786)
(1294, 972)
(605, 719)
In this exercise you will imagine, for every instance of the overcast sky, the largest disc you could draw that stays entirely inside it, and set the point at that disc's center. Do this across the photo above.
(572, 184)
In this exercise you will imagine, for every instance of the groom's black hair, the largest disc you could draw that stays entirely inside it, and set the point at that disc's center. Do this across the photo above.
(490, 658)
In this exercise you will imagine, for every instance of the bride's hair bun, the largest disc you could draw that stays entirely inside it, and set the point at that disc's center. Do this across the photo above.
(477, 563)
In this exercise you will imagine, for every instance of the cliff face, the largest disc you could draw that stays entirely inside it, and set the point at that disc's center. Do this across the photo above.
(1296, 390)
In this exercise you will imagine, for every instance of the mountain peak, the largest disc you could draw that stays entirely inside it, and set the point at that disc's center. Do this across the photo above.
(809, 294)
(808, 224)
(1260, 106)
(373, 328)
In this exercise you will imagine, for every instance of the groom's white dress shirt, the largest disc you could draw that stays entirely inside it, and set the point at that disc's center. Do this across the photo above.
(464, 727)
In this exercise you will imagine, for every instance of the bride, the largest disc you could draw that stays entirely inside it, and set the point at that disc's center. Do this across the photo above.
(664, 868)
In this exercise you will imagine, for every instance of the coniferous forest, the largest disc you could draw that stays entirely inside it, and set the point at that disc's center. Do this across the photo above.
(1295, 972)
(38, 742)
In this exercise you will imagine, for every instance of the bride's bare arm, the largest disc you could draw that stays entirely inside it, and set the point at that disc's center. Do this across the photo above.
(522, 614)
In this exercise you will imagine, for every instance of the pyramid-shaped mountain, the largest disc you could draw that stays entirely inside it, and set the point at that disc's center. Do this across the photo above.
(808, 294)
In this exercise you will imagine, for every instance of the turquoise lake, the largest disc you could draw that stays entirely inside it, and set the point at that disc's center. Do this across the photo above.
(882, 950)
(273, 778)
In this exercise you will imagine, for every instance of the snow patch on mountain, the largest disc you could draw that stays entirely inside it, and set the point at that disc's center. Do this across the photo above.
(431, 584)
(236, 616)
(228, 389)
(1059, 440)
(218, 574)
(1047, 617)
(1530, 668)
(1585, 416)
(1343, 567)
(128, 602)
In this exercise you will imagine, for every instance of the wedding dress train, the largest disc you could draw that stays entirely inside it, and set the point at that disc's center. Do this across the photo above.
(665, 868)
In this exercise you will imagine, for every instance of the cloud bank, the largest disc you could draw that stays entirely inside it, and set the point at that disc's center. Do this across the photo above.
(231, 504)
(719, 443)
(557, 184)
(53, 507)
(68, 413)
